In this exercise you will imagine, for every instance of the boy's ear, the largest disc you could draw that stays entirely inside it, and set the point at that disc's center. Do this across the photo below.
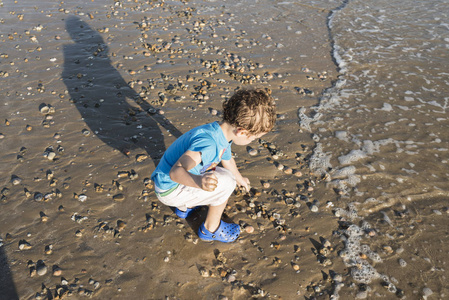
(241, 131)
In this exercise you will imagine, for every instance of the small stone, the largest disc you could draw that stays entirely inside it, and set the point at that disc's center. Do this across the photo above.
(314, 208)
(48, 249)
(188, 237)
(371, 232)
(51, 155)
(85, 132)
(204, 272)
(123, 174)
(288, 171)
(280, 167)
(38, 197)
(297, 173)
(388, 249)
(118, 197)
(252, 152)
(141, 157)
(44, 217)
(266, 185)
(402, 262)
(295, 267)
(249, 229)
(24, 245)
(326, 243)
(41, 268)
(214, 112)
(44, 108)
(5, 191)
(57, 271)
(426, 292)
(121, 225)
(82, 198)
(33, 272)
(223, 273)
(15, 180)
(29, 127)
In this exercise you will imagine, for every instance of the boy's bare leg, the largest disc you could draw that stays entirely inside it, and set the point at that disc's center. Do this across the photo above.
(213, 218)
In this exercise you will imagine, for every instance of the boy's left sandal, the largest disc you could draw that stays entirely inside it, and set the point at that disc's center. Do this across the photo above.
(226, 233)
(185, 214)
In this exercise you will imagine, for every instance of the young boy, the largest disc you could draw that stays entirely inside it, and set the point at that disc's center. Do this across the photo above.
(188, 177)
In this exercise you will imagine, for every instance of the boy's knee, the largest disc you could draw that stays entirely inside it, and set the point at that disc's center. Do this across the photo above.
(227, 179)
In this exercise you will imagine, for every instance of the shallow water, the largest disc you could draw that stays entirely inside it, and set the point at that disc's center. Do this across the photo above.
(390, 100)
(382, 129)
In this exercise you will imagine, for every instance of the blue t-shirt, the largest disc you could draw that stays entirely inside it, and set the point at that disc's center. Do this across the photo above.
(207, 139)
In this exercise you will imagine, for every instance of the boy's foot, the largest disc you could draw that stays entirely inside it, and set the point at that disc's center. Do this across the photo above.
(185, 214)
(226, 233)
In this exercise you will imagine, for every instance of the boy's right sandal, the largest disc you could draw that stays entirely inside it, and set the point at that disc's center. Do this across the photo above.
(226, 233)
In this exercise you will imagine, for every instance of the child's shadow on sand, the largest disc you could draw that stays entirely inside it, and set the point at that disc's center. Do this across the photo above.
(100, 95)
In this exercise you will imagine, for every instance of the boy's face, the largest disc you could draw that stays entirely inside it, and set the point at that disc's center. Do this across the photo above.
(243, 137)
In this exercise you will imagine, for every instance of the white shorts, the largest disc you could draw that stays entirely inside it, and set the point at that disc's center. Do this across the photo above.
(184, 197)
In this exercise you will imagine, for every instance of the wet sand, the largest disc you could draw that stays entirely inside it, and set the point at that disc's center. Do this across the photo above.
(93, 94)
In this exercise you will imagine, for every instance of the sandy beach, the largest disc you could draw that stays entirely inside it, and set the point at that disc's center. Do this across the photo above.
(93, 92)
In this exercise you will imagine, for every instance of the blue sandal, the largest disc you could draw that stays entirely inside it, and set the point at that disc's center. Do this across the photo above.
(185, 214)
(226, 233)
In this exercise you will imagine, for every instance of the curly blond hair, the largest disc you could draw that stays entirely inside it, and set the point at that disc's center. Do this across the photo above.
(253, 110)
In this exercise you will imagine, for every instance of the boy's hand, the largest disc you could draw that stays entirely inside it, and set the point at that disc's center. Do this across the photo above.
(209, 182)
(244, 182)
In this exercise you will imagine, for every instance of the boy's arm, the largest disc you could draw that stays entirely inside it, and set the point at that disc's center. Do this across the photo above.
(231, 166)
(179, 172)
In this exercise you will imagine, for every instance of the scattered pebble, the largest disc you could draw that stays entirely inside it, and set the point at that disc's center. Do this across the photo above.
(57, 271)
(426, 292)
(266, 185)
(24, 245)
(15, 180)
(288, 171)
(297, 173)
(118, 197)
(85, 132)
(253, 152)
(402, 262)
(41, 268)
(249, 229)
(204, 272)
(295, 267)
(314, 208)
